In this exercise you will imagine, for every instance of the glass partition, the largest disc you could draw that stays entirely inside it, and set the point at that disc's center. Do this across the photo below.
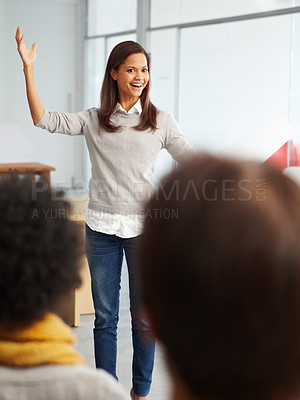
(223, 82)
(169, 12)
(234, 80)
(94, 71)
(163, 69)
(106, 17)
(295, 78)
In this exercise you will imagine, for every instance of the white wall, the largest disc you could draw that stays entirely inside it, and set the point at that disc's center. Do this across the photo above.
(57, 28)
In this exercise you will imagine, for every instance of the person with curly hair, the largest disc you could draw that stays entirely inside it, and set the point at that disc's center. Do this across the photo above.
(220, 271)
(40, 258)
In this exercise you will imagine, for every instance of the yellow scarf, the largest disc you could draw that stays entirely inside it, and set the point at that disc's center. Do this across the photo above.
(48, 341)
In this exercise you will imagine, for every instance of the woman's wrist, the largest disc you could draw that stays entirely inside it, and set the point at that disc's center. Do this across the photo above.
(28, 67)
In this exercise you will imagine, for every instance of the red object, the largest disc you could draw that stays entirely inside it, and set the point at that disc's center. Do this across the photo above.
(280, 160)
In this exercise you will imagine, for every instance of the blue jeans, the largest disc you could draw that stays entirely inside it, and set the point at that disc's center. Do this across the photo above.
(105, 257)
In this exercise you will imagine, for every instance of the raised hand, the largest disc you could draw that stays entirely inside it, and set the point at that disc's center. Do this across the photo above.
(28, 55)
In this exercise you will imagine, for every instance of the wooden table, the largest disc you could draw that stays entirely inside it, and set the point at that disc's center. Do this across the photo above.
(31, 169)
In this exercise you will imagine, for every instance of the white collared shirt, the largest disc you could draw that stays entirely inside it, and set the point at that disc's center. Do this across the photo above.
(136, 108)
(124, 226)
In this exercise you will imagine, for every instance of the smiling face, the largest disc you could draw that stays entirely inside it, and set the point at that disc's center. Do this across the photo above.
(132, 77)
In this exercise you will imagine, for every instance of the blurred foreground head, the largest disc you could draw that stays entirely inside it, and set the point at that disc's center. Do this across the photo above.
(40, 251)
(220, 265)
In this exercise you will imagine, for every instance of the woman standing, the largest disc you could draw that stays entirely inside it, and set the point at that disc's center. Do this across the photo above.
(124, 138)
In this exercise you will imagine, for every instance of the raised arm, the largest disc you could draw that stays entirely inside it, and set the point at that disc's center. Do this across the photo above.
(28, 57)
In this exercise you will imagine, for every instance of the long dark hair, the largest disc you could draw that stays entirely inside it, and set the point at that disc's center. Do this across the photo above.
(109, 91)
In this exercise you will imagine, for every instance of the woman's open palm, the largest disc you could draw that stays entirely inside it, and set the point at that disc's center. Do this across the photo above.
(28, 55)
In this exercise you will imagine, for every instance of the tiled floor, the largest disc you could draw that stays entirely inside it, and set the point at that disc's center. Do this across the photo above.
(84, 333)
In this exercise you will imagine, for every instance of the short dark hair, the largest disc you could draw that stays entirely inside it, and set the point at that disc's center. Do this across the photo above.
(40, 249)
(221, 277)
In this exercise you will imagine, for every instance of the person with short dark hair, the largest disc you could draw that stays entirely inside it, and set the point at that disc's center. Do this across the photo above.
(220, 270)
(40, 258)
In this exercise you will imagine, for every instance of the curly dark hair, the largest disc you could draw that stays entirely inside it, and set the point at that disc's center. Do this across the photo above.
(40, 250)
(221, 278)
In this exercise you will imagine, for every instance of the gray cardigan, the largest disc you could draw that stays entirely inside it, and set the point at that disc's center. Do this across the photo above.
(122, 162)
(58, 382)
